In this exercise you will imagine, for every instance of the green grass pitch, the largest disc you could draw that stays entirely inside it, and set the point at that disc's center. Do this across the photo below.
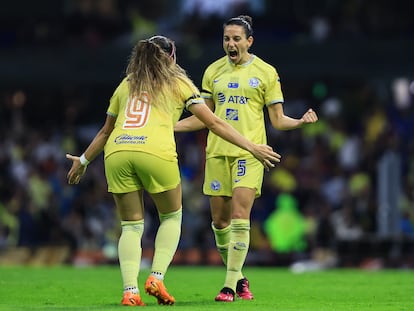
(100, 288)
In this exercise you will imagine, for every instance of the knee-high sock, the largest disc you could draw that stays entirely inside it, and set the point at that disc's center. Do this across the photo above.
(238, 248)
(129, 252)
(222, 237)
(166, 241)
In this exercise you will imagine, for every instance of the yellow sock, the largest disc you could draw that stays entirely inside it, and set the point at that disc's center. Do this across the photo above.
(166, 241)
(129, 252)
(238, 248)
(222, 237)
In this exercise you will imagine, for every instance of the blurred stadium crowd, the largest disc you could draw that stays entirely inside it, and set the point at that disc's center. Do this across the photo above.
(342, 195)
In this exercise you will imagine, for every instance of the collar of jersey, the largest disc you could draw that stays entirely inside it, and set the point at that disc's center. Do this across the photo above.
(252, 57)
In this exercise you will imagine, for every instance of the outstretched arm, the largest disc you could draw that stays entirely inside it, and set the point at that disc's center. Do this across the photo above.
(192, 123)
(281, 121)
(263, 153)
(189, 124)
(79, 164)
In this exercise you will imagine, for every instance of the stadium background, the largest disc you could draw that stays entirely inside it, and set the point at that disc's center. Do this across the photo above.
(343, 194)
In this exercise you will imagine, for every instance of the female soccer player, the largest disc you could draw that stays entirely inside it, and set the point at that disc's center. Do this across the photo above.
(237, 87)
(140, 155)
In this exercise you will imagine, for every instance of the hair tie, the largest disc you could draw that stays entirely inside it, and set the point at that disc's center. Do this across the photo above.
(249, 28)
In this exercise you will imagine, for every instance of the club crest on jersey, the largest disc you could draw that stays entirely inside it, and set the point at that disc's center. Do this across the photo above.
(232, 114)
(254, 82)
(233, 85)
(215, 185)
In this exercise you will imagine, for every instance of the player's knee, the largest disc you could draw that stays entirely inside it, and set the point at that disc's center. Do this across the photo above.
(176, 215)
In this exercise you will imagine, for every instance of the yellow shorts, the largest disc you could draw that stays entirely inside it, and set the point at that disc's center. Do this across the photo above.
(223, 174)
(128, 171)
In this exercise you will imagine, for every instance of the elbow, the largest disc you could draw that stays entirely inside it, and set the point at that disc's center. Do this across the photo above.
(105, 133)
(279, 127)
(106, 136)
(277, 123)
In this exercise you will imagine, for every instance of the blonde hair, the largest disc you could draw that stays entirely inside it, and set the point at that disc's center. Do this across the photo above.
(152, 69)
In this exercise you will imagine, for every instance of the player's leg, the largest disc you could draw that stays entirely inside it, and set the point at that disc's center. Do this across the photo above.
(242, 202)
(166, 242)
(219, 188)
(247, 178)
(129, 245)
(220, 208)
(128, 197)
(165, 190)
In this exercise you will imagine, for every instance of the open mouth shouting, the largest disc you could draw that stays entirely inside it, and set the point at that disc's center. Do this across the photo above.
(233, 55)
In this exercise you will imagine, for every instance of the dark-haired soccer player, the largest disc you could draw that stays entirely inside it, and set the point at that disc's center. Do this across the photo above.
(237, 87)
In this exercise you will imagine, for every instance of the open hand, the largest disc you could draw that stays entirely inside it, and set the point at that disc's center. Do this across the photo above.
(266, 156)
(76, 171)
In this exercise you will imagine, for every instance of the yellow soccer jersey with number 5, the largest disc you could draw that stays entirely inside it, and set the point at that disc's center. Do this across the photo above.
(142, 126)
(240, 92)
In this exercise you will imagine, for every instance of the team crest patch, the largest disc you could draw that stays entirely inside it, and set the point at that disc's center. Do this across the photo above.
(215, 185)
(254, 82)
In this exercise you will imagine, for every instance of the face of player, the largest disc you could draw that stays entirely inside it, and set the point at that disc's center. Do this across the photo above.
(236, 45)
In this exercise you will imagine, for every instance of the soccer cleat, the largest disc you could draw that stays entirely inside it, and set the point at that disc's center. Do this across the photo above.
(131, 299)
(225, 295)
(242, 289)
(156, 288)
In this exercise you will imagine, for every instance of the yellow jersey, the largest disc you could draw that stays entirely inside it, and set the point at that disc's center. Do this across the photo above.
(240, 93)
(141, 125)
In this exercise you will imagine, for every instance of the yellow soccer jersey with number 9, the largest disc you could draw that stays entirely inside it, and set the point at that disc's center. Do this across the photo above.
(142, 126)
(240, 92)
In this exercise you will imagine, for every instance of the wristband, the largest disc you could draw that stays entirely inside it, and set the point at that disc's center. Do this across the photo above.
(84, 161)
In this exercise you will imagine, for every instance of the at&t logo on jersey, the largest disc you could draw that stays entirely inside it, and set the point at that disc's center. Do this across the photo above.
(232, 99)
(215, 185)
(236, 99)
(232, 114)
(221, 98)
